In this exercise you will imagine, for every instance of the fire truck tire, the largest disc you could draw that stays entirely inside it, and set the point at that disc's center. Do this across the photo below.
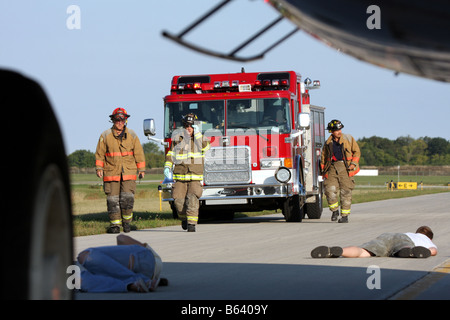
(314, 210)
(292, 210)
(36, 239)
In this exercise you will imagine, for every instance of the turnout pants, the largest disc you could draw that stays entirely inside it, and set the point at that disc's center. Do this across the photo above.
(339, 183)
(186, 195)
(120, 200)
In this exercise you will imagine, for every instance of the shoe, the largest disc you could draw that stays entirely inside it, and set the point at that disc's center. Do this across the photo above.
(326, 252)
(126, 227)
(343, 219)
(404, 253)
(334, 215)
(113, 229)
(191, 228)
(184, 224)
(163, 282)
(414, 252)
(421, 252)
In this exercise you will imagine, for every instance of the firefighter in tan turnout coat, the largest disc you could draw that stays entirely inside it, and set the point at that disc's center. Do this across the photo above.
(118, 158)
(339, 164)
(186, 157)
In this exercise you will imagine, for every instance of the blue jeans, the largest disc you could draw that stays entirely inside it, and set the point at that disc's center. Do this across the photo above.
(106, 268)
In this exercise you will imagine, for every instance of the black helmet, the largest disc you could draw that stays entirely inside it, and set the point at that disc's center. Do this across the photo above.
(334, 125)
(188, 119)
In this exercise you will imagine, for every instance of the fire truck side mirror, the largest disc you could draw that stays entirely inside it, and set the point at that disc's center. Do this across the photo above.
(149, 127)
(303, 121)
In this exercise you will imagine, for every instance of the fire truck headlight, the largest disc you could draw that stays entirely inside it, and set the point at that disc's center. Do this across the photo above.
(270, 163)
(283, 174)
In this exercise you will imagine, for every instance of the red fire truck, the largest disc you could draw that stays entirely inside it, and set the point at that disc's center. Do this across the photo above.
(265, 139)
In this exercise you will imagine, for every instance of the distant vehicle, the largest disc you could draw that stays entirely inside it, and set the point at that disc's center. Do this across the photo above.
(411, 36)
(36, 236)
(265, 136)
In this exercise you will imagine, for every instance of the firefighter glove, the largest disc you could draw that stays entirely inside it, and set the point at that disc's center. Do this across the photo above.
(167, 173)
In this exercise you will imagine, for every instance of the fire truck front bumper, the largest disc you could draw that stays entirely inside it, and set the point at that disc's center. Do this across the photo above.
(236, 194)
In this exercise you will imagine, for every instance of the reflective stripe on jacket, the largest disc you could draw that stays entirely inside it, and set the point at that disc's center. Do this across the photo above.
(350, 151)
(187, 154)
(119, 157)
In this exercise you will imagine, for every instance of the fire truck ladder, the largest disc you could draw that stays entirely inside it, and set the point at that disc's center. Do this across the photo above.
(232, 55)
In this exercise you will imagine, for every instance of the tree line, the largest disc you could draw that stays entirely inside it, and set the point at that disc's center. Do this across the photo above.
(375, 151)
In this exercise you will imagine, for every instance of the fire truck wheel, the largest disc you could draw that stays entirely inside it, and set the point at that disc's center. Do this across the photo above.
(314, 210)
(292, 210)
(37, 234)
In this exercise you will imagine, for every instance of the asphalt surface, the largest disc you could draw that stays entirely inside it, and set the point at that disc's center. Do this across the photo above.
(266, 258)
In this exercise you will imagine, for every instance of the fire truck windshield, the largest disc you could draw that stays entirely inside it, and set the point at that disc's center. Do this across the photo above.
(260, 114)
(269, 115)
(210, 114)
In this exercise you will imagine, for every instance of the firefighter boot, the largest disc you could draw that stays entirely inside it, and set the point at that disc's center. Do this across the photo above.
(184, 224)
(343, 219)
(113, 229)
(334, 215)
(191, 228)
(126, 208)
(126, 227)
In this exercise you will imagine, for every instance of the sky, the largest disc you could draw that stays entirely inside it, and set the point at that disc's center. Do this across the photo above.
(118, 58)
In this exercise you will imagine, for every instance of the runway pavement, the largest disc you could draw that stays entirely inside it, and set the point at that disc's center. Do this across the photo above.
(266, 258)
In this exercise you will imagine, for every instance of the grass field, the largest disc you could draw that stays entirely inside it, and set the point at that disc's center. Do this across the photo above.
(89, 200)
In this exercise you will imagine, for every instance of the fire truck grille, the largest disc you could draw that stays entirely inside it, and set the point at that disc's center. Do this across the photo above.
(227, 165)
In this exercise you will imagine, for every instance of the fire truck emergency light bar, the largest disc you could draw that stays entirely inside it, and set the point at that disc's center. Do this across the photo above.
(232, 55)
(221, 86)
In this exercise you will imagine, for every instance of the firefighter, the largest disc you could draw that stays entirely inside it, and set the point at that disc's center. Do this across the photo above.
(118, 158)
(339, 164)
(186, 157)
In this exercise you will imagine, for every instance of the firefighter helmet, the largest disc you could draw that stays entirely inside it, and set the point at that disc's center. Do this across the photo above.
(334, 125)
(119, 114)
(188, 119)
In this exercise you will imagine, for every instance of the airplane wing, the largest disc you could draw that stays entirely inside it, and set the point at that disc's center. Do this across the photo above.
(410, 36)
